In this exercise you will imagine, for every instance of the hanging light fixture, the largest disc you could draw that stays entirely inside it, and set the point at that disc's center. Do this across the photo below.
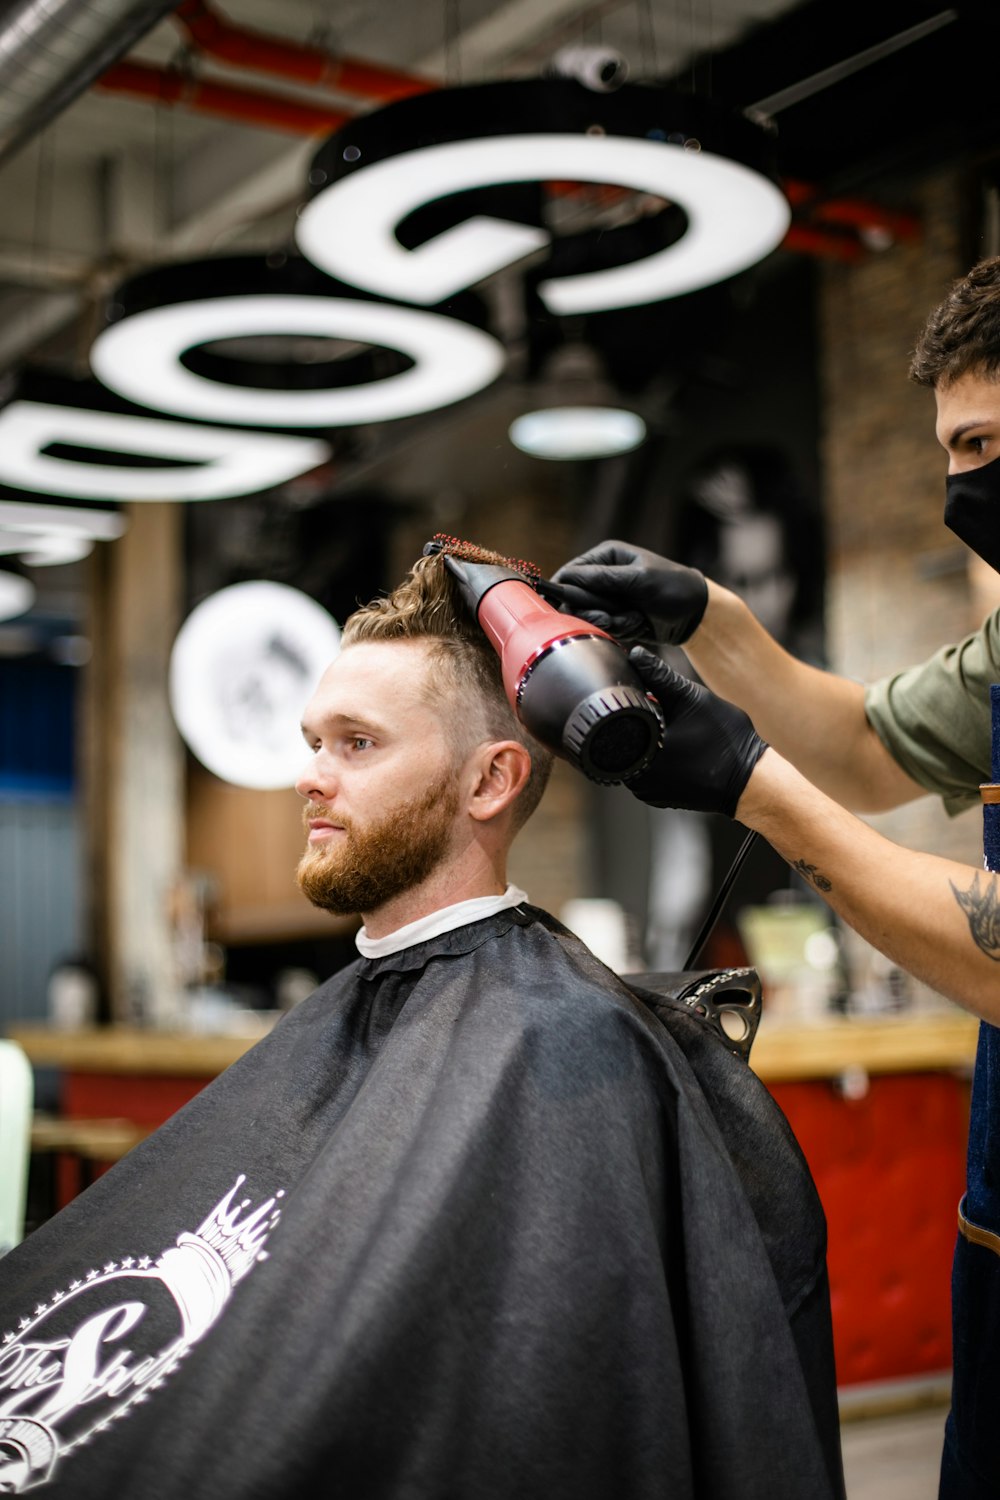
(17, 592)
(367, 361)
(578, 414)
(563, 432)
(48, 535)
(378, 172)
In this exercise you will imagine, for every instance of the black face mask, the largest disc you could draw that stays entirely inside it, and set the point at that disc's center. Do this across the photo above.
(972, 510)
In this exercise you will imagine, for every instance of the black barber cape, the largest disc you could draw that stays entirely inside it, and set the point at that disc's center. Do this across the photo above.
(464, 1226)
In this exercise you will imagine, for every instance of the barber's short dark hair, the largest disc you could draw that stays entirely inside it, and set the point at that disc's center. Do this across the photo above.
(427, 606)
(962, 336)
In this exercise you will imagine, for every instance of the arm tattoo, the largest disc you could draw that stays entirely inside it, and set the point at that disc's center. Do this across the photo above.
(983, 911)
(814, 876)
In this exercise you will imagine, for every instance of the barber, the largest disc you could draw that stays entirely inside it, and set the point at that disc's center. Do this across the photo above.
(788, 749)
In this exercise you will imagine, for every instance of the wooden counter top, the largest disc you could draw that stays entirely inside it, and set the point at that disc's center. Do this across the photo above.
(122, 1049)
(784, 1049)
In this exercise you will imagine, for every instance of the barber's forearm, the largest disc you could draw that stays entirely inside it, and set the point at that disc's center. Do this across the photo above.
(937, 919)
(814, 719)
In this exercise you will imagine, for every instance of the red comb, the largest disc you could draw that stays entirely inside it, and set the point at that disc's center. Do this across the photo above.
(470, 552)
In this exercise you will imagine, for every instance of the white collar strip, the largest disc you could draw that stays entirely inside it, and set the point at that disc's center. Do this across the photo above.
(460, 914)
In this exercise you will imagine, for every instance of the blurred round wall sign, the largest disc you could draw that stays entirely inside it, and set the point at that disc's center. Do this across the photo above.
(244, 665)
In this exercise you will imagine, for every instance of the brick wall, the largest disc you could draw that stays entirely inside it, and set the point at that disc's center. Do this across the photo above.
(899, 584)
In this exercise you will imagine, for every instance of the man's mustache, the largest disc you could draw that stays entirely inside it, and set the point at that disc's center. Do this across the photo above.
(313, 810)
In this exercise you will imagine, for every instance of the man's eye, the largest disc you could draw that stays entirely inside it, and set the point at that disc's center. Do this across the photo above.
(359, 742)
(977, 444)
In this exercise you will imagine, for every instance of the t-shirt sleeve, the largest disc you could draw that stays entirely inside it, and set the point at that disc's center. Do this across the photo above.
(934, 719)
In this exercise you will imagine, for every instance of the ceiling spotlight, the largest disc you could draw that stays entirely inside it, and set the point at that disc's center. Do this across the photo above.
(577, 432)
(578, 413)
(711, 161)
(17, 593)
(55, 551)
(45, 535)
(599, 68)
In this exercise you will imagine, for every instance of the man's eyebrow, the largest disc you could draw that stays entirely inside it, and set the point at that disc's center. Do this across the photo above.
(964, 427)
(362, 722)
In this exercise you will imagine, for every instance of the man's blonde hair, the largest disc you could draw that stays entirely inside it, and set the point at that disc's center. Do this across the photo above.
(427, 606)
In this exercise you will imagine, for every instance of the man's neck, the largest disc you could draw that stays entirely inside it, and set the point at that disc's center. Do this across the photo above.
(443, 887)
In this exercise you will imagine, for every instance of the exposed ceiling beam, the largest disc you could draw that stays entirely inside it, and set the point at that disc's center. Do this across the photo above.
(260, 193)
(27, 322)
(225, 199)
(510, 28)
(805, 89)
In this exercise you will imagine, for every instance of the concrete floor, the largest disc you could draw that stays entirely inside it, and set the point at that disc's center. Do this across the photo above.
(894, 1458)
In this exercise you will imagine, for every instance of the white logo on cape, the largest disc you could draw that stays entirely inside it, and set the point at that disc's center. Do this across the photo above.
(67, 1372)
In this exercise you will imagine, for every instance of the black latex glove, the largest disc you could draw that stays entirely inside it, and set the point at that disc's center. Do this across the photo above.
(709, 746)
(634, 594)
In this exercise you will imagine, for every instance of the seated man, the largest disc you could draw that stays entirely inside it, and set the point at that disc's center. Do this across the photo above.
(465, 1223)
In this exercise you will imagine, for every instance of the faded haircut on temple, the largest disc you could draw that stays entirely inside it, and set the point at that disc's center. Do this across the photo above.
(962, 335)
(427, 606)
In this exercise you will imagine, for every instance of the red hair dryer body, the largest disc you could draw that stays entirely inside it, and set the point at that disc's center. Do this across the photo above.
(570, 684)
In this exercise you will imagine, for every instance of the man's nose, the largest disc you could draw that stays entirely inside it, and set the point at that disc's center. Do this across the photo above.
(316, 781)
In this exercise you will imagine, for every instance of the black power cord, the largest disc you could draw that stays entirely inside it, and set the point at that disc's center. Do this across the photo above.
(715, 910)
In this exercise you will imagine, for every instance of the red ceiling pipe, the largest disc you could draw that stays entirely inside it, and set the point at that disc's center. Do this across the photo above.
(807, 240)
(274, 112)
(861, 215)
(264, 53)
(855, 213)
(244, 106)
(244, 48)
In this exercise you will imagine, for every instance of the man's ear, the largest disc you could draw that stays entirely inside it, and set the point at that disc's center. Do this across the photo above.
(502, 771)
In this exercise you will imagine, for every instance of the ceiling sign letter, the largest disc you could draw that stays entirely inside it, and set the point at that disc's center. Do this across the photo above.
(736, 215)
(209, 463)
(140, 357)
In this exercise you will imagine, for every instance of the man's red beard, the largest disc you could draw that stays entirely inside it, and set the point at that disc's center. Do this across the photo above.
(362, 868)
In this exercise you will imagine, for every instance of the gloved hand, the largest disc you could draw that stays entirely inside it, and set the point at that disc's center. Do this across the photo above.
(709, 746)
(622, 589)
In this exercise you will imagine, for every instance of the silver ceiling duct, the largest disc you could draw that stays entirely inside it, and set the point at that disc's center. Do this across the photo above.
(51, 50)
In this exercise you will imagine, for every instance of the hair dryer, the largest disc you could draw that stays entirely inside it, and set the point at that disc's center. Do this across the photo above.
(570, 684)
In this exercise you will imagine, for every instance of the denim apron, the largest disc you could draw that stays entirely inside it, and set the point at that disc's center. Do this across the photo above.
(970, 1467)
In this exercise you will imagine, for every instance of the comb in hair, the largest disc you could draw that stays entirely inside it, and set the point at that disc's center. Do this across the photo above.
(470, 552)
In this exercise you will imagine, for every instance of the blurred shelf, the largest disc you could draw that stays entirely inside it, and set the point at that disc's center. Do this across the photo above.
(784, 1049)
(829, 1046)
(122, 1049)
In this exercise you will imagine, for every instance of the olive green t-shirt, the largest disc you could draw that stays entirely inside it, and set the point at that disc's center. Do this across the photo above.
(934, 719)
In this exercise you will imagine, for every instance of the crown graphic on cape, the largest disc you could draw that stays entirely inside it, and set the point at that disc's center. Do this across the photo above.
(238, 1242)
(202, 1268)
